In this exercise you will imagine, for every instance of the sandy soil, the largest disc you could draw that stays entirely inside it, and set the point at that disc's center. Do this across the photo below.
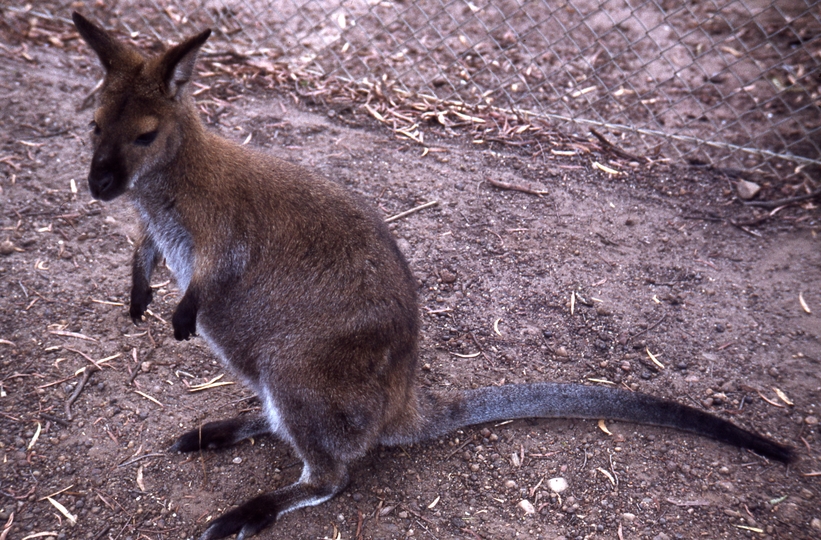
(653, 256)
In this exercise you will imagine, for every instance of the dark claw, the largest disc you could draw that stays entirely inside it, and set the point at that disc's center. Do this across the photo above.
(215, 435)
(139, 303)
(244, 521)
(184, 319)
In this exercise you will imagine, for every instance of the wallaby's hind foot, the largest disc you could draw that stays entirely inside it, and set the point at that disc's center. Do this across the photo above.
(317, 485)
(222, 434)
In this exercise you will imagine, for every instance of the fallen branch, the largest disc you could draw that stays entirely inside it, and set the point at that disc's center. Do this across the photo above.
(516, 187)
(55, 419)
(411, 211)
(615, 149)
(86, 375)
(637, 334)
(781, 202)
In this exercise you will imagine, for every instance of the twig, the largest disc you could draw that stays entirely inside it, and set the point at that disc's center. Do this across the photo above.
(615, 149)
(467, 442)
(102, 532)
(481, 349)
(516, 187)
(136, 371)
(86, 375)
(411, 211)
(781, 202)
(646, 329)
(55, 419)
(84, 355)
(139, 458)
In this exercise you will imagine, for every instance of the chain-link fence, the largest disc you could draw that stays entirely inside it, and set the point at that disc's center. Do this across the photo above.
(731, 83)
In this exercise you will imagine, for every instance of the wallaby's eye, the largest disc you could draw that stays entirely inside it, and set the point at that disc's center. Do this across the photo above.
(94, 127)
(146, 138)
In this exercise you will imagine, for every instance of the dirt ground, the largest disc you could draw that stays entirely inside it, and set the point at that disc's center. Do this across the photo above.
(652, 261)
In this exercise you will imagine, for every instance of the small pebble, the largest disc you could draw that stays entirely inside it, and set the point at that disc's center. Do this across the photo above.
(725, 486)
(6, 247)
(811, 420)
(527, 506)
(562, 351)
(557, 485)
(447, 276)
(747, 190)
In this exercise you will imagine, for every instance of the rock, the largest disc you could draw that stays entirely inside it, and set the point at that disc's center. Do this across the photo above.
(603, 311)
(562, 351)
(747, 190)
(788, 511)
(811, 420)
(511, 484)
(726, 486)
(527, 506)
(6, 248)
(816, 524)
(557, 485)
(447, 276)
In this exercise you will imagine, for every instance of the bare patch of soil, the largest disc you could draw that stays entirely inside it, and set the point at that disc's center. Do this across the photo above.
(652, 258)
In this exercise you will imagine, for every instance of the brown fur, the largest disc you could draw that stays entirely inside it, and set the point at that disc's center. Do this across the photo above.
(298, 287)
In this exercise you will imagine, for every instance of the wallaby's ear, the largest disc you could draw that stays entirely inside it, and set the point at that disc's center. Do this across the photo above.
(177, 64)
(111, 51)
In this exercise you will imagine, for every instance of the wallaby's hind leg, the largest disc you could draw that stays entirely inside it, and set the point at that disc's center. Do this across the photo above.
(322, 478)
(222, 434)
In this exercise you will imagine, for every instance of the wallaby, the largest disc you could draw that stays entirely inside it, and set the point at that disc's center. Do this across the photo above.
(299, 287)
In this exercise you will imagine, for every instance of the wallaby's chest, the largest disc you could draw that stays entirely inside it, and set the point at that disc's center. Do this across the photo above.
(173, 241)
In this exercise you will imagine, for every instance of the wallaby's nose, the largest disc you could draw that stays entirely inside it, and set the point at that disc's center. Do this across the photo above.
(100, 184)
(107, 178)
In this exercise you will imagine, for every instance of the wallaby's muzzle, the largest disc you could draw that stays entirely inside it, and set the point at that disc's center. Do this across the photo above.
(106, 180)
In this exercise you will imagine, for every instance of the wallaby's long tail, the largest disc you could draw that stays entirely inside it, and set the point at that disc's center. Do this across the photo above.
(445, 413)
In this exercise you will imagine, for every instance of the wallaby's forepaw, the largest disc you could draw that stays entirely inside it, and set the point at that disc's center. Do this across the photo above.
(221, 434)
(184, 319)
(139, 303)
(245, 521)
(189, 441)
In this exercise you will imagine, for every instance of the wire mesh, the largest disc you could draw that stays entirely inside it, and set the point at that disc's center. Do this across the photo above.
(730, 83)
